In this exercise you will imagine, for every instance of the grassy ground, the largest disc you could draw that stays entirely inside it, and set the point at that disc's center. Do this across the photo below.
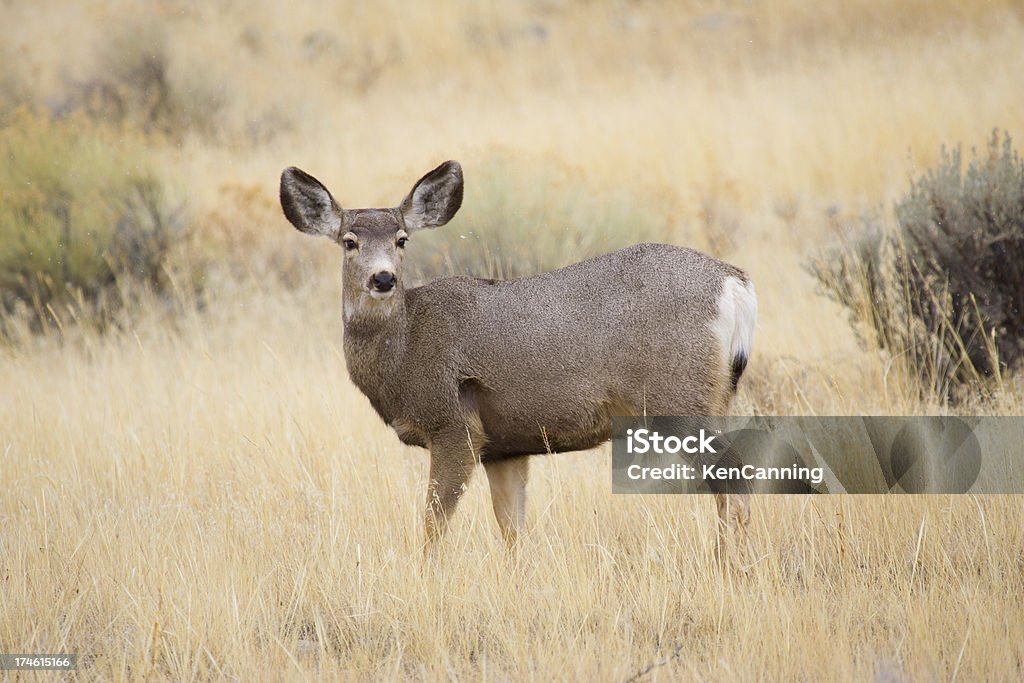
(202, 494)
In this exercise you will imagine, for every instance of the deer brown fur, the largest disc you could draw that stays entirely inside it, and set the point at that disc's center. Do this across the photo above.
(493, 371)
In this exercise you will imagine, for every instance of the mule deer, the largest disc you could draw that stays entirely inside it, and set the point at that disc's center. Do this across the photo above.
(493, 371)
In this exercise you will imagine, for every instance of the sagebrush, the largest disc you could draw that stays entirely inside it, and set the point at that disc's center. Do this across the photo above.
(82, 209)
(944, 291)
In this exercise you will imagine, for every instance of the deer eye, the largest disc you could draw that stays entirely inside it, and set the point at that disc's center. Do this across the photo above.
(400, 243)
(350, 244)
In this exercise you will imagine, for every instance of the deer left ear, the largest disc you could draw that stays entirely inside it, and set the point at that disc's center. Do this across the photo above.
(308, 205)
(434, 199)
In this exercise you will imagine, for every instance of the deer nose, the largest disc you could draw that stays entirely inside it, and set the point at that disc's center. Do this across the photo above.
(382, 281)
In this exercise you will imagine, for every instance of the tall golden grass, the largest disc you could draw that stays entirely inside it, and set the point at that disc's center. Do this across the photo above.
(201, 494)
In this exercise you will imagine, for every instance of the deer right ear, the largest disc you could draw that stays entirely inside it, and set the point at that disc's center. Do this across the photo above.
(308, 205)
(434, 199)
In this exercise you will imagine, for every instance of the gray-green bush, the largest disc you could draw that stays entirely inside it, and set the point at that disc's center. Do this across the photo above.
(945, 290)
(81, 211)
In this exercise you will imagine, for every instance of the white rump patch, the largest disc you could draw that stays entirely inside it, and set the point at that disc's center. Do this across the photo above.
(737, 318)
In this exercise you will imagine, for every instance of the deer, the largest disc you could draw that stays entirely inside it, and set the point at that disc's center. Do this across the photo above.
(492, 372)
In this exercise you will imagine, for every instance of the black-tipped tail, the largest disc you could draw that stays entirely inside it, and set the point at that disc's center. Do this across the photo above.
(739, 364)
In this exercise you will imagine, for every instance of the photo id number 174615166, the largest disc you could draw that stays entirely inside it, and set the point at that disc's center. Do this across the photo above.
(39, 662)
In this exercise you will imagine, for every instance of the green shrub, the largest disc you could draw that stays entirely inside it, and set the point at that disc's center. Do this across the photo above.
(945, 291)
(81, 211)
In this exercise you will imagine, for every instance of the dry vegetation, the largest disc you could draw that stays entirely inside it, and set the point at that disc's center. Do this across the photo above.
(195, 491)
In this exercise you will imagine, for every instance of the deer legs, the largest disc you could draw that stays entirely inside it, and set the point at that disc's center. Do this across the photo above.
(508, 495)
(731, 536)
(453, 456)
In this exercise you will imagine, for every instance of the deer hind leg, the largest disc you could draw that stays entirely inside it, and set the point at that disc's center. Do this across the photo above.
(453, 456)
(731, 537)
(508, 495)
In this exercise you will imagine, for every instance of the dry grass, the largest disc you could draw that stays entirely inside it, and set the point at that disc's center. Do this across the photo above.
(204, 495)
(202, 503)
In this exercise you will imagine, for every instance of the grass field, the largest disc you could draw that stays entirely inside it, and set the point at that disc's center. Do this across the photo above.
(200, 493)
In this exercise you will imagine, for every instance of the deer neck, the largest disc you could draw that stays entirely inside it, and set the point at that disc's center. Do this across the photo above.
(375, 334)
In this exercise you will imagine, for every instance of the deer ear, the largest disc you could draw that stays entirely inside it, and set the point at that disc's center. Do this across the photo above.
(435, 198)
(308, 205)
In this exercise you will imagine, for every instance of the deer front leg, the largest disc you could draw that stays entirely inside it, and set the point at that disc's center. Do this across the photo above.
(508, 495)
(453, 457)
